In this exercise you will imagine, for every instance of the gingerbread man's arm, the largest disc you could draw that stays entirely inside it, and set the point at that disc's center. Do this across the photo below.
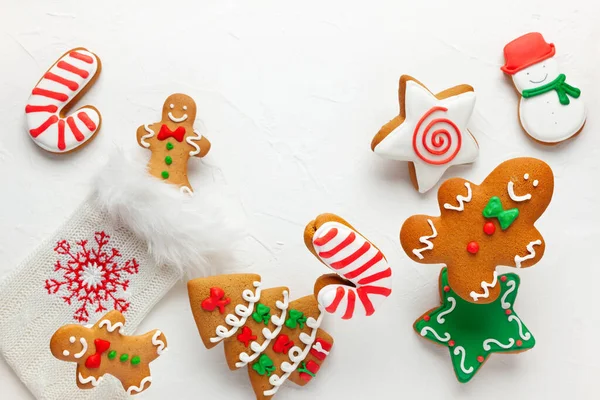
(144, 135)
(530, 249)
(157, 341)
(138, 382)
(85, 378)
(200, 144)
(114, 317)
(419, 238)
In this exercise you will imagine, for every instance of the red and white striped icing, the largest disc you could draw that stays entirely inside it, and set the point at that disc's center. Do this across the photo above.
(59, 85)
(354, 258)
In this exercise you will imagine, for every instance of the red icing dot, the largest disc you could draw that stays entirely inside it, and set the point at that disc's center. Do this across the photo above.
(508, 312)
(489, 228)
(480, 359)
(519, 343)
(446, 288)
(503, 278)
(427, 318)
(451, 343)
(473, 247)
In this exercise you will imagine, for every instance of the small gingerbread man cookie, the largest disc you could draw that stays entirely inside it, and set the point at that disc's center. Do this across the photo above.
(173, 141)
(483, 226)
(104, 349)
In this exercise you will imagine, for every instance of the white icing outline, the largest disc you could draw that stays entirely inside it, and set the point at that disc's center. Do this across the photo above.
(440, 315)
(514, 197)
(267, 333)
(189, 140)
(438, 337)
(485, 286)
(425, 240)
(150, 134)
(140, 388)
(530, 255)
(157, 342)
(524, 336)
(319, 347)
(505, 304)
(241, 310)
(461, 200)
(84, 348)
(95, 382)
(486, 344)
(461, 350)
(296, 354)
(110, 327)
(175, 119)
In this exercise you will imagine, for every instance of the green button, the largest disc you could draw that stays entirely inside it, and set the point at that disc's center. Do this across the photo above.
(169, 160)
(112, 355)
(169, 146)
(135, 360)
(124, 357)
(165, 174)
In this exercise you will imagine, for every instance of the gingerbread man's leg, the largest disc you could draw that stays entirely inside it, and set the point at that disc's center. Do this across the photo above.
(138, 382)
(86, 380)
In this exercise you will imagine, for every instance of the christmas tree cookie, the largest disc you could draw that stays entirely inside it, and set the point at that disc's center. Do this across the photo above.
(278, 339)
(550, 108)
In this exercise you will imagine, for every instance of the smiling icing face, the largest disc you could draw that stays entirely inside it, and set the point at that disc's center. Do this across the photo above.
(72, 343)
(536, 75)
(179, 108)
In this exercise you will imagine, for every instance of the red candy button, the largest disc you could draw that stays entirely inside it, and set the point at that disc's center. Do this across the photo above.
(489, 228)
(473, 247)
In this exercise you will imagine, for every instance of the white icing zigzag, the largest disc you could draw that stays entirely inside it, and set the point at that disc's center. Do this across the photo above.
(461, 200)
(138, 389)
(296, 354)
(485, 286)
(519, 259)
(512, 286)
(487, 347)
(110, 327)
(242, 311)
(438, 337)
(148, 136)
(461, 350)
(440, 316)
(524, 336)
(190, 140)
(157, 342)
(267, 333)
(425, 240)
(95, 382)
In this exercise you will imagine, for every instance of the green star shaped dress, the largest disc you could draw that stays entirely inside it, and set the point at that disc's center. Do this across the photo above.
(472, 332)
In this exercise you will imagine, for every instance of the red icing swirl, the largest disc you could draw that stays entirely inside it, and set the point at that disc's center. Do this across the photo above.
(437, 138)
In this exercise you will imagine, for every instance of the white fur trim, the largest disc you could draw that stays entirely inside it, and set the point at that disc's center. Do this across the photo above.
(187, 232)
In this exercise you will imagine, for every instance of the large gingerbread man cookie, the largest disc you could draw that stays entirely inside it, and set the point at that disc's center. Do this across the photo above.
(173, 141)
(104, 349)
(484, 226)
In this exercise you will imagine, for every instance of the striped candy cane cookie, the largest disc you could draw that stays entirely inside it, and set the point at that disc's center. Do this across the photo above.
(63, 84)
(357, 260)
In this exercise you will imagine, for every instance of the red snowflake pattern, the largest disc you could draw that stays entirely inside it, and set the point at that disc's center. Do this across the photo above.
(91, 277)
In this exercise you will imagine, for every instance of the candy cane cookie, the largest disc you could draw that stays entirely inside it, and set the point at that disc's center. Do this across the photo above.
(363, 277)
(53, 96)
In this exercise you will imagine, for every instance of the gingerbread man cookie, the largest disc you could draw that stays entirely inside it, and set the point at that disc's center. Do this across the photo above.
(277, 339)
(173, 141)
(550, 109)
(55, 93)
(430, 132)
(484, 226)
(104, 349)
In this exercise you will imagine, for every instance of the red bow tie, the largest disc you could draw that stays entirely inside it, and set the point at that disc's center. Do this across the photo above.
(166, 133)
(93, 361)
(216, 300)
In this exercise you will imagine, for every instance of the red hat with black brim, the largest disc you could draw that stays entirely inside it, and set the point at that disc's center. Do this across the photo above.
(525, 51)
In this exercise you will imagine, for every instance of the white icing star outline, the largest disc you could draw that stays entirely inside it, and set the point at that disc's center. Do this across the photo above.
(419, 111)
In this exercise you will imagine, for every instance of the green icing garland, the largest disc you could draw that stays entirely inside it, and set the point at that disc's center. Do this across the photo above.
(474, 331)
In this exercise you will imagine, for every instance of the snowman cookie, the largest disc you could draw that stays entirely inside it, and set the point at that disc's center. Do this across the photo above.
(55, 93)
(550, 109)
(173, 141)
(430, 132)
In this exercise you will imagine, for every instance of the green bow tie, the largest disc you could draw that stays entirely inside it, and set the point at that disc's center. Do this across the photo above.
(262, 314)
(264, 365)
(494, 209)
(562, 89)
(296, 318)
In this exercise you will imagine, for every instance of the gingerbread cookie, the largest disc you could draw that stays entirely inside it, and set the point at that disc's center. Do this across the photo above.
(277, 339)
(104, 349)
(550, 109)
(483, 226)
(472, 332)
(430, 132)
(53, 96)
(173, 141)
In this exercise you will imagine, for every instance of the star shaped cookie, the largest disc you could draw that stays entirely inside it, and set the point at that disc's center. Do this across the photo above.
(430, 132)
(472, 332)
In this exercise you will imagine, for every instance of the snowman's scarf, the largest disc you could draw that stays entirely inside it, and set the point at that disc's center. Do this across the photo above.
(563, 89)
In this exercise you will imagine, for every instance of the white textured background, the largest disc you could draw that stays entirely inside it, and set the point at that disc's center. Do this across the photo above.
(291, 94)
